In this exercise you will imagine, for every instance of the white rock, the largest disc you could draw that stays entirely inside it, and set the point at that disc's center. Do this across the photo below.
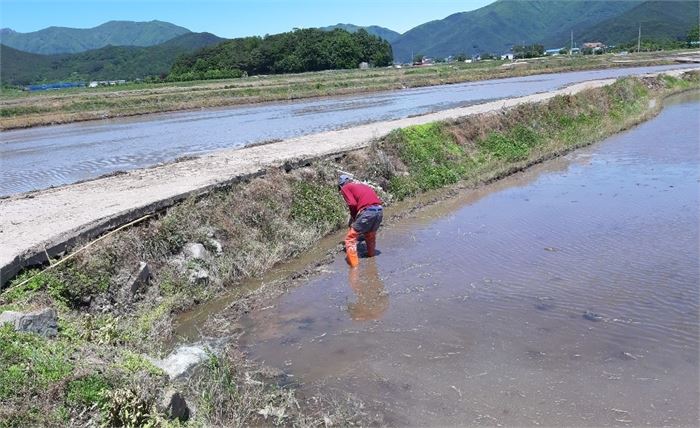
(181, 360)
(195, 250)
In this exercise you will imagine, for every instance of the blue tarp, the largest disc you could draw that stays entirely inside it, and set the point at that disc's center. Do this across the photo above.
(57, 85)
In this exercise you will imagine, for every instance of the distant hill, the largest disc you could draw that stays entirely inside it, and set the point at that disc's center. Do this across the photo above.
(107, 63)
(498, 26)
(375, 30)
(296, 51)
(659, 19)
(55, 40)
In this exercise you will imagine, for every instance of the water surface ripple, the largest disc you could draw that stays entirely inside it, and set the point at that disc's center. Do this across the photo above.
(565, 296)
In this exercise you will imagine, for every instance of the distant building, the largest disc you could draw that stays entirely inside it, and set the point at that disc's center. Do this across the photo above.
(364, 66)
(96, 83)
(594, 47)
(508, 56)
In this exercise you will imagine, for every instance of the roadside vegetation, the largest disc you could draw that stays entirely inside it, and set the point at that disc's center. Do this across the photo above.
(97, 370)
(20, 109)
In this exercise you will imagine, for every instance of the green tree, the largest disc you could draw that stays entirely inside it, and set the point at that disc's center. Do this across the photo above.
(293, 52)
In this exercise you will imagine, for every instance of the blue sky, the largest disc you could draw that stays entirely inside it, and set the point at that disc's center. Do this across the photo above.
(230, 18)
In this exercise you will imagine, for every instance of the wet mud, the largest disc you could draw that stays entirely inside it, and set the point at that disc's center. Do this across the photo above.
(563, 295)
(38, 158)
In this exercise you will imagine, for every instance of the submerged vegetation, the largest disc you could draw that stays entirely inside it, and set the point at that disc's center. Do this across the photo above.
(98, 369)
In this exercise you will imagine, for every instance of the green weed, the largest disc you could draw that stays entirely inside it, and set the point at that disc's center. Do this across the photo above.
(30, 363)
(433, 158)
(86, 391)
(504, 147)
(128, 407)
(21, 111)
(317, 205)
(134, 363)
(511, 146)
(16, 293)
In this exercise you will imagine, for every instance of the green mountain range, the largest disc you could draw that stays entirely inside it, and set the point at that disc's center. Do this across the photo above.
(375, 30)
(660, 20)
(55, 40)
(131, 50)
(498, 26)
(107, 63)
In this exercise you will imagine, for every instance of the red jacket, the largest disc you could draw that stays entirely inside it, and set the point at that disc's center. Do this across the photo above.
(359, 196)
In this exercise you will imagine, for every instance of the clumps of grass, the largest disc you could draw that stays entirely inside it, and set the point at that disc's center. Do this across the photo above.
(514, 145)
(135, 363)
(102, 329)
(87, 390)
(22, 111)
(152, 322)
(317, 205)
(167, 235)
(433, 159)
(24, 288)
(234, 393)
(129, 407)
(71, 286)
(30, 363)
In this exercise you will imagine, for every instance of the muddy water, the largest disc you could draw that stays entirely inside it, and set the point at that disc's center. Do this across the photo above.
(37, 158)
(567, 295)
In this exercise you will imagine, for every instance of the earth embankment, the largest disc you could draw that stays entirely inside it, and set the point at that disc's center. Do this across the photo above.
(45, 223)
(116, 302)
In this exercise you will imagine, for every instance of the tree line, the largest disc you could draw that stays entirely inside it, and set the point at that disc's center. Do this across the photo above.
(292, 52)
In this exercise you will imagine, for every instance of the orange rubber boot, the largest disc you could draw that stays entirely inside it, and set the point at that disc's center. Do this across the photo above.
(371, 241)
(351, 248)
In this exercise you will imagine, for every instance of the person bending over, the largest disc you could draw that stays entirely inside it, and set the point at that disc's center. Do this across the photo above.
(365, 217)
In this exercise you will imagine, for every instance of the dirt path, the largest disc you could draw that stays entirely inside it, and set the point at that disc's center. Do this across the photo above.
(48, 221)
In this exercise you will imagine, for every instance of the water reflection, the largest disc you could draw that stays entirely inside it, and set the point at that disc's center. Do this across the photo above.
(372, 300)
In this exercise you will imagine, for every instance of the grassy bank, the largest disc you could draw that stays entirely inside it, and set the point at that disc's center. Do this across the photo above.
(96, 371)
(21, 109)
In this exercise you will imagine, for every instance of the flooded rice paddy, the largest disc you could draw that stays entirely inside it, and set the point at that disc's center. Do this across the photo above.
(563, 296)
(41, 157)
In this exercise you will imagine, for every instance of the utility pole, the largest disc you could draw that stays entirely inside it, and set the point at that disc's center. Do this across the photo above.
(639, 38)
(571, 50)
